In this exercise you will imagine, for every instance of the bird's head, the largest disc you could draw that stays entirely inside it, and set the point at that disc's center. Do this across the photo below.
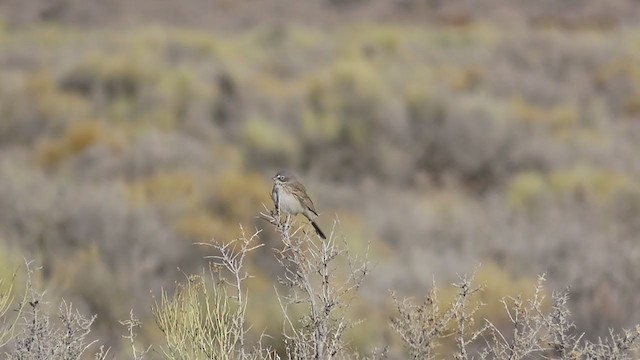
(283, 177)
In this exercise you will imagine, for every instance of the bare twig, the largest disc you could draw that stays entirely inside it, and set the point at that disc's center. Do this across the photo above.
(311, 277)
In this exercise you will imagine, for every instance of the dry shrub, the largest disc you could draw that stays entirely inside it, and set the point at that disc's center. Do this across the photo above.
(39, 336)
(535, 330)
(76, 139)
(198, 321)
(474, 140)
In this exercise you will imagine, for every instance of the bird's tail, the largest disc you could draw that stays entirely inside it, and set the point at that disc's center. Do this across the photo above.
(318, 231)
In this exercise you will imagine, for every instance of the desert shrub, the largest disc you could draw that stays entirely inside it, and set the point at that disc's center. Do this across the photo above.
(201, 204)
(475, 141)
(198, 322)
(33, 107)
(544, 80)
(350, 120)
(77, 138)
(556, 226)
(343, 116)
(9, 322)
(268, 142)
(85, 277)
(587, 182)
(497, 283)
(199, 225)
(624, 205)
(39, 336)
(154, 151)
(525, 188)
(253, 186)
(43, 340)
(175, 188)
(342, 102)
(533, 330)
(146, 80)
(559, 118)
(206, 316)
(109, 76)
(581, 183)
(82, 233)
(617, 79)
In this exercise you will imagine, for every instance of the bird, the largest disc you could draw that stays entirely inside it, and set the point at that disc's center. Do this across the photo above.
(290, 197)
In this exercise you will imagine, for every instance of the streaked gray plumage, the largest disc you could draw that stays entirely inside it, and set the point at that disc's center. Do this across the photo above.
(290, 197)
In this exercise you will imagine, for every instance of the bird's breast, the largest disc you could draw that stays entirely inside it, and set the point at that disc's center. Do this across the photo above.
(287, 202)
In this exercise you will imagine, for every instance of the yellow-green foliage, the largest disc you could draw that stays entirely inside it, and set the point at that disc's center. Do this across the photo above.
(207, 205)
(201, 225)
(51, 103)
(623, 70)
(204, 206)
(183, 86)
(6, 300)
(199, 321)
(586, 181)
(269, 139)
(379, 43)
(497, 283)
(560, 118)
(263, 309)
(153, 76)
(8, 320)
(34, 98)
(239, 195)
(86, 274)
(78, 137)
(11, 266)
(579, 182)
(176, 188)
(182, 194)
(11, 286)
(525, 188)
(342, 102)
(234, 197)
(459, 78)
(119, 74)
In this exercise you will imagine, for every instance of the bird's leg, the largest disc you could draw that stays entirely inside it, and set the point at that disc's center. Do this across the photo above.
(287, 223)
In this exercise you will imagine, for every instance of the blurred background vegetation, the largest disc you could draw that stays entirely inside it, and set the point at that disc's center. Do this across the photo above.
(446, 133)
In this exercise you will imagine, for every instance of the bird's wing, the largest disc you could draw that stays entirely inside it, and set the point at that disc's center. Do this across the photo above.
(301, 193)
(274, 197)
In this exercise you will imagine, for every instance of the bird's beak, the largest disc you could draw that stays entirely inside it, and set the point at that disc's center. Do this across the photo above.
(273, 178)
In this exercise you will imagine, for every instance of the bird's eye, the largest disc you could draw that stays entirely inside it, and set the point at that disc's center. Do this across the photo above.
(281, 177)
